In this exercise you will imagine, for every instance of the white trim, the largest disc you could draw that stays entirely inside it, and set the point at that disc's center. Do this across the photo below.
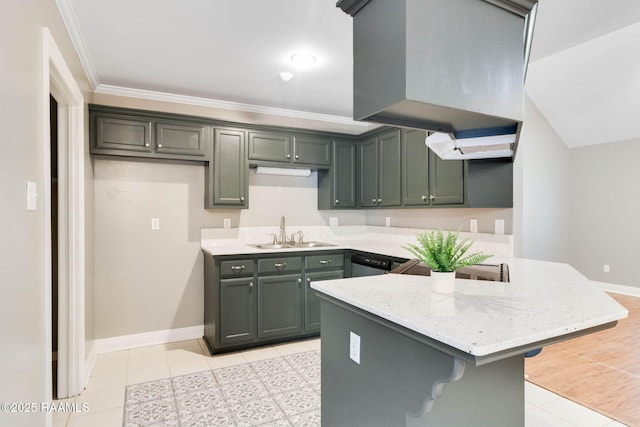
(126, 342)
(73, 28)
(89, 364)
(58, 80)
(618, 289)
(228, 105)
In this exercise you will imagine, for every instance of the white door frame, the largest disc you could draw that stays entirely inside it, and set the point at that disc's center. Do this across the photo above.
(58, 81)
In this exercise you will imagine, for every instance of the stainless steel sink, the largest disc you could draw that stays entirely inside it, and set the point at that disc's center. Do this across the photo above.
(292, 245)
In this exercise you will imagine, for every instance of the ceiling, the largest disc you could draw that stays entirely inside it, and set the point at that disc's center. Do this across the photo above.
(583, 74)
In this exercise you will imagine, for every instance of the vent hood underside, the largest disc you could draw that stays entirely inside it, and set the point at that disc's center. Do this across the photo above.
(451, 66)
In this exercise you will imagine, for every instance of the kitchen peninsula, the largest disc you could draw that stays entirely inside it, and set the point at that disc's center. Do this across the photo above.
(396, 354)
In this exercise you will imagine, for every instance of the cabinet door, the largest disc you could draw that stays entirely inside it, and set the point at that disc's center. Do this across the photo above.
(180, 138)
(129, 134)
(389, 193)
(280, 300)
(229, 170)
(415, 168)
(312, 150)
(312, 301)
(237, 310)
(367, 152)
(343, 177)
(270, 147)
(446, 180)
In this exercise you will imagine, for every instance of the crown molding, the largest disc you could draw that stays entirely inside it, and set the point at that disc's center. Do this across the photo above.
(73, 28)
(228, 105)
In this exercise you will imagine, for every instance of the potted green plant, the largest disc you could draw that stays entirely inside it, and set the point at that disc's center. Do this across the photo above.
(444, 255)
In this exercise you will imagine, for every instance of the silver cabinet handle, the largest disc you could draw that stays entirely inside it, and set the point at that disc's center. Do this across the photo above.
(325, 261)
(424, 197)
(337, 202)
(280, 265)
(242, 198)
(159, 145)
(432, 197)
(146, 145)
(309, 279)
(374, 200)
(297, 156)
(288, 156)
(237, 268)
(379, 200)
(299, 280)
(251, 285)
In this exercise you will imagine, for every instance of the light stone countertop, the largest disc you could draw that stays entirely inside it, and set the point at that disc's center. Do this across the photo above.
(543, 301)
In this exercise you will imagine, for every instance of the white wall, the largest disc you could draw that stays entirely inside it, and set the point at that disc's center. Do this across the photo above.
(22, 300)
(605, 208)
(541, 191)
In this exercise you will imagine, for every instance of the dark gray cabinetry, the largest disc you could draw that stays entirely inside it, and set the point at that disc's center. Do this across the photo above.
(271, 147)
(319, 267)
(229, 182)
(312, 150)
(255, 299)
(122, 133)
(378, 165)
(427, 179)
(237, 310)
(337, 186)
(265, 148)
(181, 138)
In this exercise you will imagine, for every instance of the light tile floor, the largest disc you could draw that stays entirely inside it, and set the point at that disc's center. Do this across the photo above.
(114, 371)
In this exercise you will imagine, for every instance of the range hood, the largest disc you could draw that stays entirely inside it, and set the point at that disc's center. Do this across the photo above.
(455, 67)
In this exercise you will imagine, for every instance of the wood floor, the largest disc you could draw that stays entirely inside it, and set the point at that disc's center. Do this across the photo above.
(600, 371)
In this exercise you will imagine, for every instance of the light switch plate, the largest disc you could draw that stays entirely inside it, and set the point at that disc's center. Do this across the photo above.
(155, 224)
(354, 347)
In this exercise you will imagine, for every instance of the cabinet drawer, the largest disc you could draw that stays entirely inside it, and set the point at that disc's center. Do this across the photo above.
(237, 268)
(279, 265)
(314, 262)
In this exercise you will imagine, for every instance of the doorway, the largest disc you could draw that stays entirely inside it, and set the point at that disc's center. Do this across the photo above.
(53, 136)
(64, 235)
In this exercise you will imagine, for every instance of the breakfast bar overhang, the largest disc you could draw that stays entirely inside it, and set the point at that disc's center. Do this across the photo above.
(394, 353)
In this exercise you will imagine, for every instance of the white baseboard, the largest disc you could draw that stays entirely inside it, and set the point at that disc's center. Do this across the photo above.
(618, 289)
(126, 342)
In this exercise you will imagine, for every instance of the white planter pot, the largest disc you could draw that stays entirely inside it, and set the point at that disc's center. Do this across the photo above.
(443, 283)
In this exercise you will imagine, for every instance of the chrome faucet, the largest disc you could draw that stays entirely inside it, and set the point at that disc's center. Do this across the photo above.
(282, 238)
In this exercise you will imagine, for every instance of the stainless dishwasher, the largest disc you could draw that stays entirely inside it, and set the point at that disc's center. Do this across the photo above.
(370, 264)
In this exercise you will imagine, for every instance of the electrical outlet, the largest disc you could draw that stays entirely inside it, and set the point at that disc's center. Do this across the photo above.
(354, 347)
(333, 221)
(227, 223)
(606, 268)
(473, 225)
(387, 221)
(155, 224)
(499, 228)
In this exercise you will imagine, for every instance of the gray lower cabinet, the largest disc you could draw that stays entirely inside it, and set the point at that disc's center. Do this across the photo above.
(228, 184)
(238, 313)
(256, 299)
(378, 165)
(427, 179)
(280, 306)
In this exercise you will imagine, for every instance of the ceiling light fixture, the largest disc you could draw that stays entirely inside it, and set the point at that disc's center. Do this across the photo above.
(303, 59)
(286, 76)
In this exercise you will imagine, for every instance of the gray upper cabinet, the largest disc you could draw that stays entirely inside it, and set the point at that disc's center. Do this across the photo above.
(337, 186)
(271, 147)
(122, 133)
(379, 178)
(312, 150)
(229, 172)
(181, 138)
(427, 179)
